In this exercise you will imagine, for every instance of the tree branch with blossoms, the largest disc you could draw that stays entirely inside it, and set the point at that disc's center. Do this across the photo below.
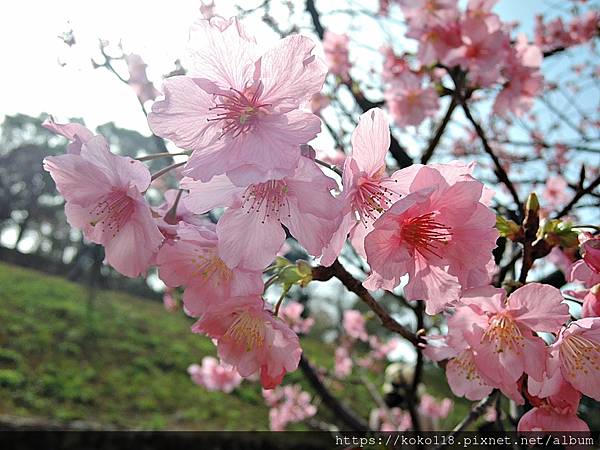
(353, 285)
(255, 216)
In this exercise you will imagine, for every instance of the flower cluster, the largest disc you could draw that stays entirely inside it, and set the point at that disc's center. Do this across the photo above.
(214, 376)
(288, 404)
(493, 342)
(245, 116)
(474, 40)
(554, 34)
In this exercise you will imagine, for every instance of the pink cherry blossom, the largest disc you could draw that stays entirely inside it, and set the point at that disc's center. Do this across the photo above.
(589, 299)
(251, 339)
(335, 47)
(380, 349)
(368, 190)
(409, 102)
(482, 53)
(207, 9)
(552, 35)
(214, 376)
(318, 102)
(591, 303)
(463, 375)
(561, 258)
(138, 80)
(436, 39)
(576, 356)
(557, 412)
(482, 9)
(441, 234)
(76, 133)
(523, 79)
(193, 261)
(487, 323)
(464, 378)
(291, 312)
(384, 7)
(354, 325)
(491, 415)
(169, 302)
(343, 362)
(334, 157)
(501, 331)
(289, 404)
(582, 272)
(590, 248)
(389, 420)
(103, 194)
(431, 408)
(250, 231)
(169, 218)
(238, 108)
(393, 65)
(584, 27)
(425, 12)
(556, 192)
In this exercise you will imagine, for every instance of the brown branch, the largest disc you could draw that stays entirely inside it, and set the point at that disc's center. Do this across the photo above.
(413, 399)
(338, 271)
(499, 170)
(545, 144)
(473, 415)
(428, 153)
(508, 267)
(340, 411)
(580, 193)
(476, 412)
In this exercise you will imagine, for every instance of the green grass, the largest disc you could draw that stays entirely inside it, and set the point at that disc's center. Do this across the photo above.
(115, 359)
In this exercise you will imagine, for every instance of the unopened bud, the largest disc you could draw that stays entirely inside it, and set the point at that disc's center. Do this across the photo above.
(532, 204)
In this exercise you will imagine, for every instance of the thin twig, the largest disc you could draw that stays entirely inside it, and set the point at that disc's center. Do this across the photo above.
(340, 411)
(580, 193)
(161, 172)
(473, 415)
(329, 166)
(435, 140)
(499, 170)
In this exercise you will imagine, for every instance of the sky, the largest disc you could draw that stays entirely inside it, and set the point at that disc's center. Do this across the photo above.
(48, 76)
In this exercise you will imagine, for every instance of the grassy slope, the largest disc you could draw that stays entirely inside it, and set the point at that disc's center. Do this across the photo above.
(121, 360)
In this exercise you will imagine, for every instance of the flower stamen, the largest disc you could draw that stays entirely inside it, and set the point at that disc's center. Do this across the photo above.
(112, 212)
(269, 199)
(504, 333)
(425, 234)
(580, 354)
(248, 331)
(372, 199)
(239, 110)
(207, 265)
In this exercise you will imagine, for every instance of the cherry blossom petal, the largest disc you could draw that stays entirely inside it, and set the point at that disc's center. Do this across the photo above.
(290, 74)
(371, 141)
(204, 196)
(248, 241)
(539, 306)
